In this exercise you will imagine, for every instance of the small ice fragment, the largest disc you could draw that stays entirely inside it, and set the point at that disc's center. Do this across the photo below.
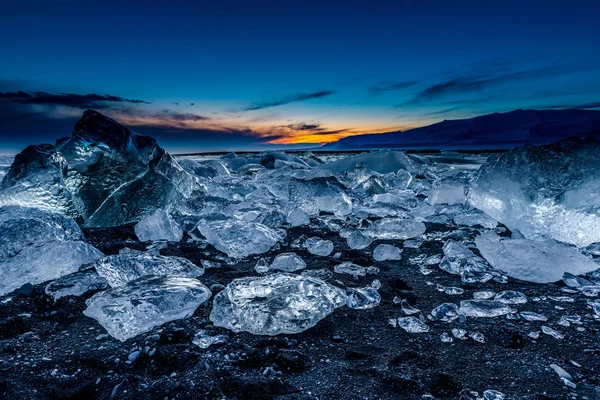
(385, 252)
(483, 295)
(459, 333)
(318, 246)
(261, 267)
(158, 226)
(511, 297)
(203, 340)
(358, 241)
(76, 284)
(477, 336)
(493, 395)
(534, 335)
(287, 262)
(408, 309)
(446, 312)
(551, 332)
(444, 337)
(350, 269)
(363, 298)
(483, 308)
(412, 325)
(532, 316)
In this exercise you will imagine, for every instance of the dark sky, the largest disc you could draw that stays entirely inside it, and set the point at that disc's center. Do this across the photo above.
(248, 74)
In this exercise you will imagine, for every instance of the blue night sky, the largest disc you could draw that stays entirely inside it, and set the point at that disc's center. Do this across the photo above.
(225, 75)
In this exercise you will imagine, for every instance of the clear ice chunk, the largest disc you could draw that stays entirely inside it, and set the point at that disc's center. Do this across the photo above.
(139, 306)
(239, 238)
(474, 218)
(483, 308)
(459, 260)
(350, 269)
(37, 246)
(363, 298)
(395, 229)
(511, 297)
(446, 312)
(130, 265)
(358, 241)
(274, 304)
(318, 246)
(204, 340)
(158, 226)
(408, 309)
(385, 252)
(412, 325)
(540, 261)
(287, 262)
(76, 284)
(546, 192)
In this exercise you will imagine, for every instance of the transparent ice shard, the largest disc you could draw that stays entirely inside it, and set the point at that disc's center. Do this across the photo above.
(238, 238)
(363, 298)
(158, 226)
(287, 262)
(412, 325)
(540, 261)
(76, 284)
(139, 306)
(546, 192)
(511, 297)
(446, 312)
(358, 241)
(274, 304)
(483, 308)
(396, 229)
(385, 252)
(130, 265)
(318, 246)
(37, 246)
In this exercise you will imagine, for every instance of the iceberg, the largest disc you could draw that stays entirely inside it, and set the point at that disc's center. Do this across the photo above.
(545, 192)
(103, 175)
(275, 304)
(139, 306)
(541, 261)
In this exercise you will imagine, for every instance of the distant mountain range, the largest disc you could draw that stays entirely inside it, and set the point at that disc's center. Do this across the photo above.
(492, 131)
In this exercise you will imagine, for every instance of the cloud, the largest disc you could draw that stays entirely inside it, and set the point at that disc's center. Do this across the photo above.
(391, 86)
(303, 126)
(289, 99)
(584, 106)
(480, 79)
(82, 101)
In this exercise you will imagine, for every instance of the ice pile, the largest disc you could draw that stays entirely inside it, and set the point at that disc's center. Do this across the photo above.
(130, 265)
(103, 174)
(139, 306)
(37, 246)
(158, 226)
(540, 261)
(545, 192)
(274, 304)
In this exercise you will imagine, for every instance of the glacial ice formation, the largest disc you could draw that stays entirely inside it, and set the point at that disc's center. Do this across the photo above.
(540, 261)
(36, 246)
(139, 306)
(103, 174)
(546, 192)
(158, 226)
(239, 238)
(130, 265)
(274, 304)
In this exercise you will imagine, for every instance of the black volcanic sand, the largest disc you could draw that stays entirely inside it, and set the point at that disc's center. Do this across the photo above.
(51, 350)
